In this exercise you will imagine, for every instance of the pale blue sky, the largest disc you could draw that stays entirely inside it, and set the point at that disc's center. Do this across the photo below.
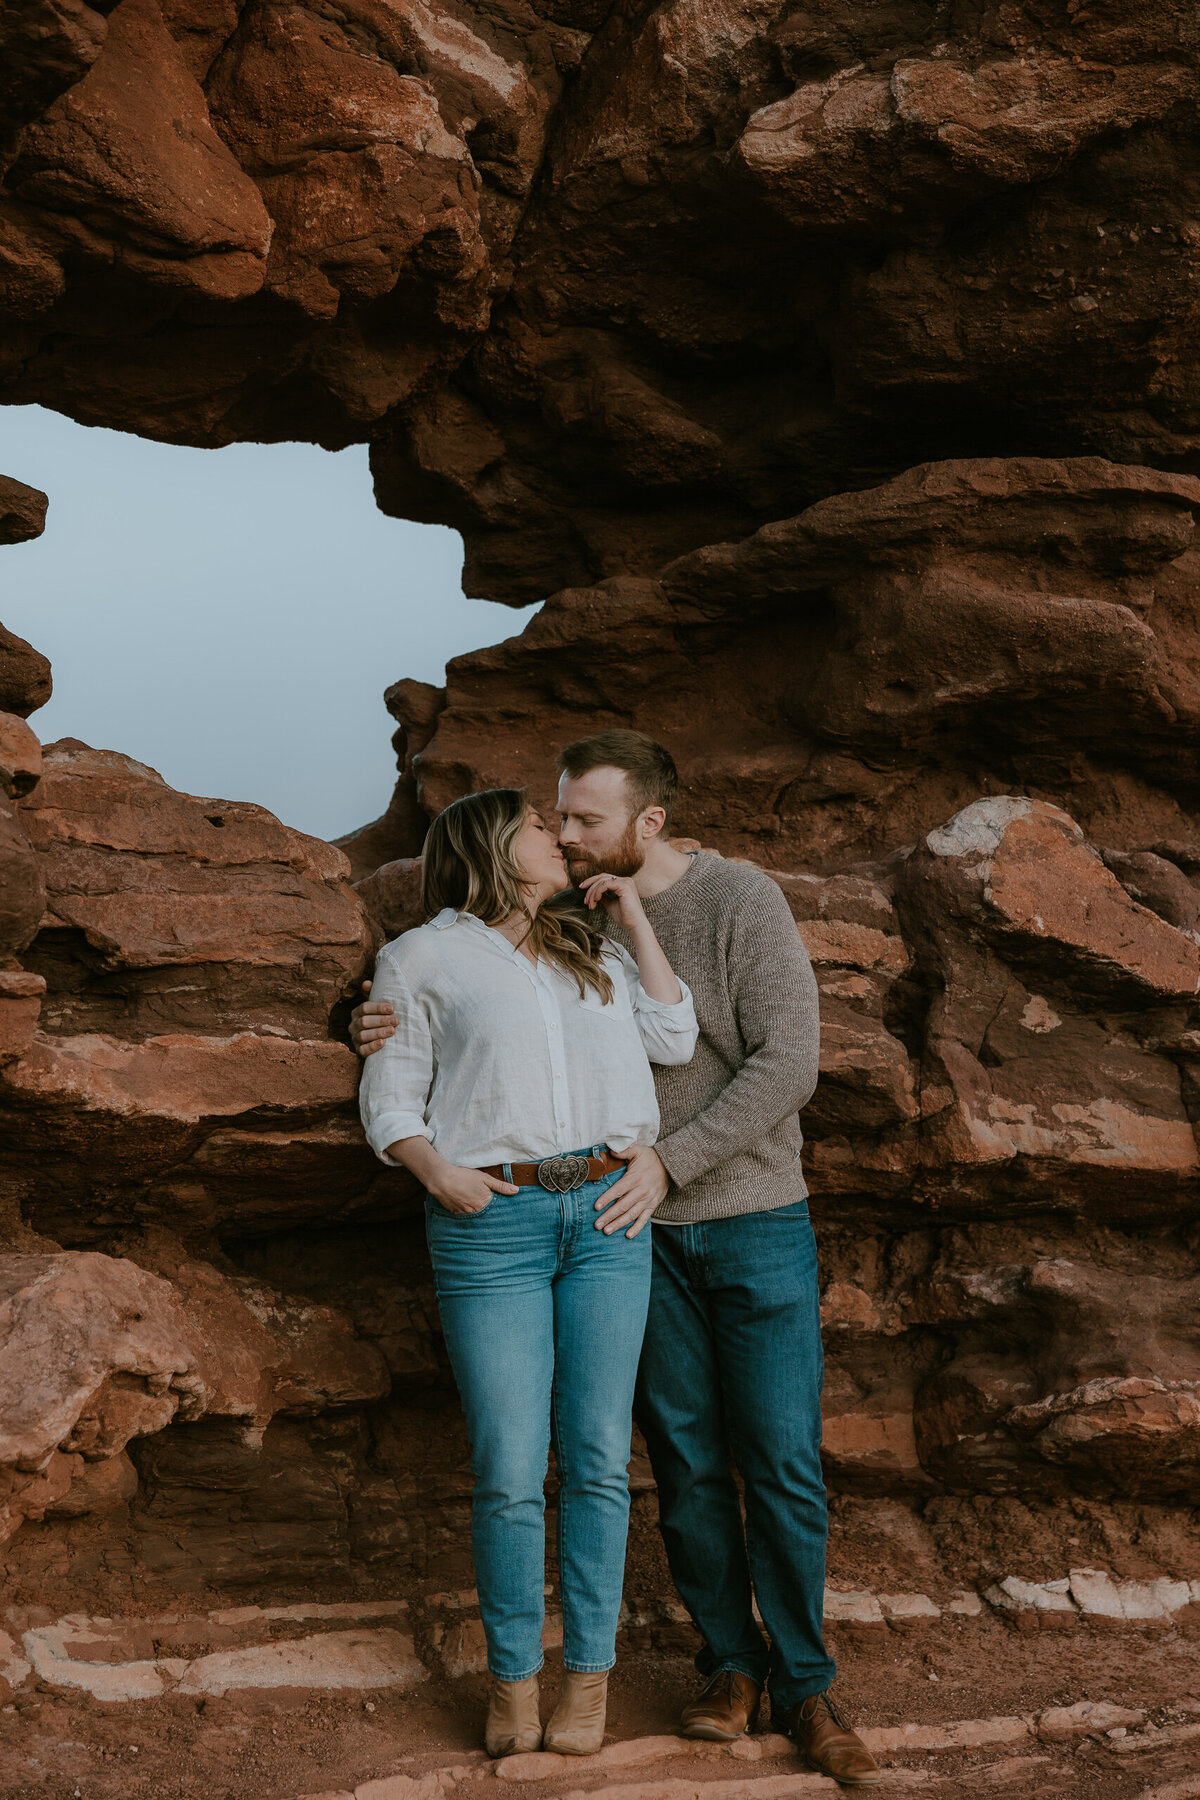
(231, 617)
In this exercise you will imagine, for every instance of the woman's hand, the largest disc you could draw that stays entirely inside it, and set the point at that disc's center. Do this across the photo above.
(460, 1190)
(621, 901)
(619, 897)
(456, 1189)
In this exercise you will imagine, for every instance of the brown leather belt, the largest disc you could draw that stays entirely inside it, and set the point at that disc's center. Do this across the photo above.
(560, 1174)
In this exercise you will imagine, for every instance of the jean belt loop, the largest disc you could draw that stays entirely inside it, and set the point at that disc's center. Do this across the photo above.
(506, 1172)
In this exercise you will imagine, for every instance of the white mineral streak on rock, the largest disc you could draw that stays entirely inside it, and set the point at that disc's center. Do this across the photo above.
(1039, 1015)
(1062, 1724)
(13, 1666)
(979, 828)
(856, 1609)
(909, 1609)
(1014, 1595)
(74, 1653)
(333, 1659)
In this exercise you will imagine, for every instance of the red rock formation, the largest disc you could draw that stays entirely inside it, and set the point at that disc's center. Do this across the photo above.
(167, 1060)
(839, 683)
(95, 1351)
(606, 285)
(1009, 1014)
(24, 686)
(195, 953)
(834, 371)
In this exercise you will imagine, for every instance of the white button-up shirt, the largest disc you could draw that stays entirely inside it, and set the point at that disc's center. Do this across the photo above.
(495, 1059)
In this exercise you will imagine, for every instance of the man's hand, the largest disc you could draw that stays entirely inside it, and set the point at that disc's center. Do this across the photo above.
(372, 1023)
(634, 1199)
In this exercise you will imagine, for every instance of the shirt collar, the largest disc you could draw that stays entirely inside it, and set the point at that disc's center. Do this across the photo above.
(495, 940)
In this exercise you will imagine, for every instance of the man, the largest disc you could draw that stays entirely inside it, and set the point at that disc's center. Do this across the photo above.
(732, 1363)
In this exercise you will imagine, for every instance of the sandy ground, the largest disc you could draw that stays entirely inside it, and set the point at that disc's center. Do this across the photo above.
(277, 1746)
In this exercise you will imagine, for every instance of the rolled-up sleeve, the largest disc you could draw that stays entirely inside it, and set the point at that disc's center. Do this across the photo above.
(668, 1032)
(394, 1091)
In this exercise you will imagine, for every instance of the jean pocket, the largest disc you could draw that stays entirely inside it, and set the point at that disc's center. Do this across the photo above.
(435, 1210)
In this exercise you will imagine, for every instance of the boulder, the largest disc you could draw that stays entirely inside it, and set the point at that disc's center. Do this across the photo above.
(1034, 946)
(22, 883)
(1069, 1371)
(99, 1130)
(128, 158)
(185, 962)
(860, 148)
(20, 757)
(144, 883)
(1027, 883)
(95, 1350)
(22, 512)
(24, 675)
(392, 896)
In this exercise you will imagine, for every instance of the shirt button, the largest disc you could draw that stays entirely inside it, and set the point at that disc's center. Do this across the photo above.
(553, 1026)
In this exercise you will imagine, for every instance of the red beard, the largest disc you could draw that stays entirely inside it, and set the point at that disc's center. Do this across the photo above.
(625, 858)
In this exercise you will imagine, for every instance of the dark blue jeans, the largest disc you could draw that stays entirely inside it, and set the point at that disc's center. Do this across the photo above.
(732, 1366)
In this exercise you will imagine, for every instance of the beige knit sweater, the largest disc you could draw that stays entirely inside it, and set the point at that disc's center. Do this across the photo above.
(730, 1137)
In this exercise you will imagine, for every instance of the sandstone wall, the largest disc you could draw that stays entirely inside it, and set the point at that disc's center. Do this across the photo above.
(833, 371)
(604, 282)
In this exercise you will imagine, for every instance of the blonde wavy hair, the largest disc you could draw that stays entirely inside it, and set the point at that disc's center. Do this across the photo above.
(470, 866)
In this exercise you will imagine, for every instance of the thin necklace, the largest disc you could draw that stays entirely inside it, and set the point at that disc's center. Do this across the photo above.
(517, 940)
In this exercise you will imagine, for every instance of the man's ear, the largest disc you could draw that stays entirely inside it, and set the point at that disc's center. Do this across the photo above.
(652, 820)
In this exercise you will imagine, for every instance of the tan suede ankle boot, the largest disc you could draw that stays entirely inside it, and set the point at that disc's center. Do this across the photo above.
(514, 1720)
(576, 1725)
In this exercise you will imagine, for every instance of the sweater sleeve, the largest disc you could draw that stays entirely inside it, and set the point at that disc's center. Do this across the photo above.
(774, 995)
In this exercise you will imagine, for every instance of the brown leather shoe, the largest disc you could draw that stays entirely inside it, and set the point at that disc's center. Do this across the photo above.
(727, 1707)
(827, 1744)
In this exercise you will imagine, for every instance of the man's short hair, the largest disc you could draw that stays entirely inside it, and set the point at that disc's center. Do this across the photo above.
(653, 777)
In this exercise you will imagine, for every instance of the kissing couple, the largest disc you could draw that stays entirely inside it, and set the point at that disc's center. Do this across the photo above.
(593, 1031)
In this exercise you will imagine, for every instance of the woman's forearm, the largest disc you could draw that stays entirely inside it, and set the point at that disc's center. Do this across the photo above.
(456, 1189)
(657, 976)
(420, 1158)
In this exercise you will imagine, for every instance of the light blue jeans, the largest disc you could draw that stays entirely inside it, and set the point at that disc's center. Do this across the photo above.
(543, 1317)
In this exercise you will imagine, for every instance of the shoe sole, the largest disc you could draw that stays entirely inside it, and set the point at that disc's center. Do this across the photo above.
(711, 1734)
(851, 1781)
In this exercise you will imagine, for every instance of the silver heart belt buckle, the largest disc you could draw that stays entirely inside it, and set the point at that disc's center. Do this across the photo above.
(562, 1173)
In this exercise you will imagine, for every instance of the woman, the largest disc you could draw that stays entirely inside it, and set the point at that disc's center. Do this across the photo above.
(516, 1076)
